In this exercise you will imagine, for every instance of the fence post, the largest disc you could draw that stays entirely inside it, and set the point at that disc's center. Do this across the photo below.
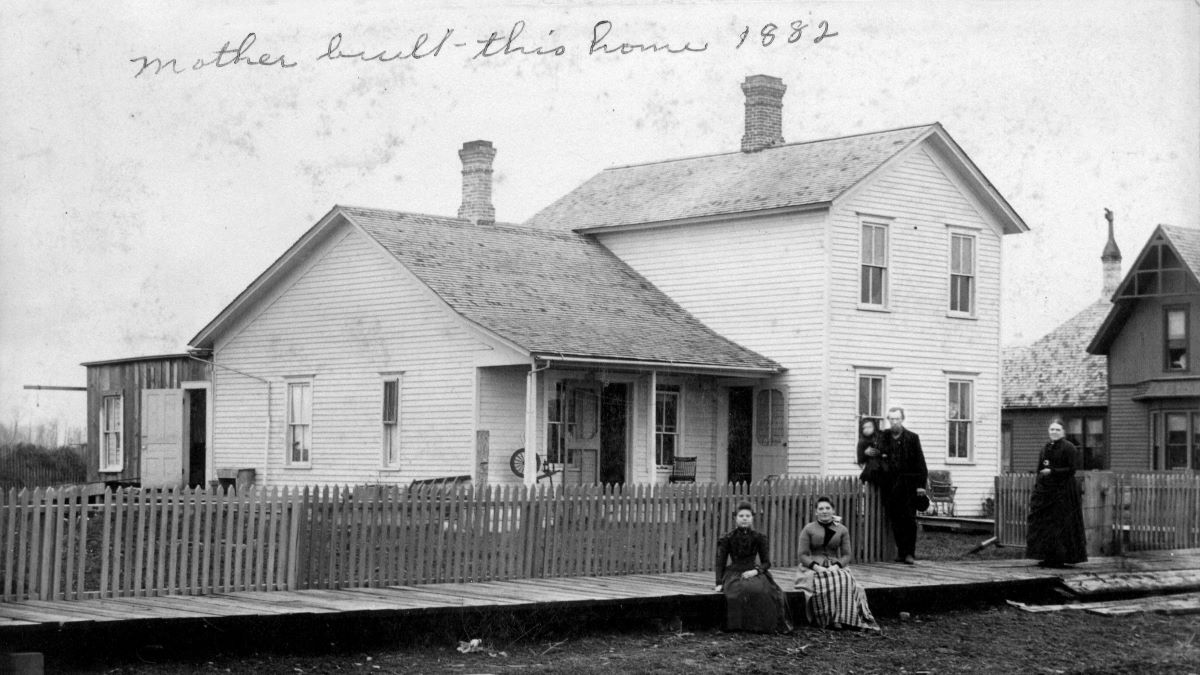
(1095, 489)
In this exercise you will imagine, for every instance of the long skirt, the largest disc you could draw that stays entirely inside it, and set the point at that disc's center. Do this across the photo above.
(835, 597)
(755, 604)
(1055, 524)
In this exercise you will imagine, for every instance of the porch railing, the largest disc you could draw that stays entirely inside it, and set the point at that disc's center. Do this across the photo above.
(56, 545)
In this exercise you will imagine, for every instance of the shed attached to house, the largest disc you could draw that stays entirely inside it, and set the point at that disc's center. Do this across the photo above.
(148, 421)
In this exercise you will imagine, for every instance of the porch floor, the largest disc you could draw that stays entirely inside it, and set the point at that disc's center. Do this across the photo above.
(41, 625)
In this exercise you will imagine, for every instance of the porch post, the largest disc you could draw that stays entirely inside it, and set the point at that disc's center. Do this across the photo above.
(531, 382)
(651, 410)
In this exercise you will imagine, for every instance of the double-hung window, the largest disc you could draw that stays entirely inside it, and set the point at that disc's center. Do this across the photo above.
(666, 424)
(770, 417)
(391, 422)
(1175, 344)
(962, 274)
(960, 420)
(874, 264)
(870, 399)
(112, 433)
(299, 423)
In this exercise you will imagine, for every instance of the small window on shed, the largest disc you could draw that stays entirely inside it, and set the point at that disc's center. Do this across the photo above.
(112, 433)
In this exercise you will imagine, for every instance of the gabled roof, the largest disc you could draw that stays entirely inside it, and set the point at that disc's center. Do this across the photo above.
(548, 293)
(792, 175)
(1056, 371)
(1185, 243)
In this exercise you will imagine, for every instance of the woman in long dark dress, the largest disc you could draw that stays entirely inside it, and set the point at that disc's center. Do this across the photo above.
(1055, 532)
(753, 601)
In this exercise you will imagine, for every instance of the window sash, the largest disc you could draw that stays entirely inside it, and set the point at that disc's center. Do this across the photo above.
(870, 397)
(1175, 341)
(874, 264)
(112, 422)
(390, 415)
(666, 425)
(770, 417)
(959, 419)
(299, 421)
(962, 273)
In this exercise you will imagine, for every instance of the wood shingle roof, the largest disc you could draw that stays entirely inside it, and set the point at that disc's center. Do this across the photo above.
(788, 175)
(551, 293)
(1056, 371)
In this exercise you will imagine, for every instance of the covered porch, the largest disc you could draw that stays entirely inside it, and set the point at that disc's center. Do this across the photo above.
(606, 421)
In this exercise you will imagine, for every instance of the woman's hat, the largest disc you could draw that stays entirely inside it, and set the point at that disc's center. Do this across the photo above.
(922, 502)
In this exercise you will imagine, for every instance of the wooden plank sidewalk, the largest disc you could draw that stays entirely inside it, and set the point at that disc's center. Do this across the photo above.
(930, 577)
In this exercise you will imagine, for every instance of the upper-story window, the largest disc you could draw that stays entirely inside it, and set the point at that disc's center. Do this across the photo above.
(962, 273)
(112, 432)
(874, 260)
(1175, 344)
(299, 423)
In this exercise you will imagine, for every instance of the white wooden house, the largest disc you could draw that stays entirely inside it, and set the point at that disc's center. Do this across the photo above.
(744, 308)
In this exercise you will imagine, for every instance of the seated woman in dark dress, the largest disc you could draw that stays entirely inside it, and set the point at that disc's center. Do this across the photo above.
(753, 601)
(832, 596)
(1055, 524)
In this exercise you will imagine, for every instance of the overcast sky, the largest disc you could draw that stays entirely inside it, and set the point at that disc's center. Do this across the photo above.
(134, 207)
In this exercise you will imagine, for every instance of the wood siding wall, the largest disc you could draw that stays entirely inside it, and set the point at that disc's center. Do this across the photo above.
(128, 379)
(343, 318)
(1029, 432)
(1136, 354)
(1129, 422)
(759, 282)
(915, 343)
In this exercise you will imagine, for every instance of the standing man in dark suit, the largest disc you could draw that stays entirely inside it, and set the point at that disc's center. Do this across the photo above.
(907, 463)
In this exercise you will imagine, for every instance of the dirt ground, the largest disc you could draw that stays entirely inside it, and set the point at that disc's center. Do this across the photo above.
(983, 640)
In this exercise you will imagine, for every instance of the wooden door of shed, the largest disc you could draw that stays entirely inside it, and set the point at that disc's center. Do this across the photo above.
(162, 449)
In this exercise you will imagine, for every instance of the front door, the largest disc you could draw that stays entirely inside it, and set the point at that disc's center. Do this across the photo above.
(613, 420)
(770, 453)
(162, 448)
(583, 433)
(741, 433)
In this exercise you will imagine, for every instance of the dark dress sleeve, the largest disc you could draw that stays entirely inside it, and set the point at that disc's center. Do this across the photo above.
(764, 552)
(722, 557)
(1069, 461)
(861, 452)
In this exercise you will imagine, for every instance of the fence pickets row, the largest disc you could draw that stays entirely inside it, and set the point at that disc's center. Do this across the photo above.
(193, 542)
(1123, 511)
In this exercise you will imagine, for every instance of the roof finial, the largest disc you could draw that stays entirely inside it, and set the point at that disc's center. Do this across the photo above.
(1111, 259)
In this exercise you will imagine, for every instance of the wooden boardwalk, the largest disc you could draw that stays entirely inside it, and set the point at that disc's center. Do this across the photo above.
(927, 583)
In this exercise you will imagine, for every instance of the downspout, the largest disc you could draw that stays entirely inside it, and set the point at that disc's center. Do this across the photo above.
(267, 431)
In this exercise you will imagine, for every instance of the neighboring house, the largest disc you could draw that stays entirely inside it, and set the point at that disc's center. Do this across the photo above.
(1056, 377)
(148, 421)
(744, 308)
(1152, 340)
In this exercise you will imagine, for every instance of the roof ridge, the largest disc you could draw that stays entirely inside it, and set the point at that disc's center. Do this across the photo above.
(463, 222)
(773, 147)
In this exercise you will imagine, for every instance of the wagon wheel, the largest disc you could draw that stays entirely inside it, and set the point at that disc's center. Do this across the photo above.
(517, 462)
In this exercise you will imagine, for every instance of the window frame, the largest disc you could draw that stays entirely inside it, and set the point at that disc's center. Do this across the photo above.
(1167, 341)
(860, 415)
(1092, 454)
(970, 421)
(390, 445)
(661, 393)
(769, 421)
(289, 424)
(972, 277)
(884, 225)
(1158, 439)
(105, 432)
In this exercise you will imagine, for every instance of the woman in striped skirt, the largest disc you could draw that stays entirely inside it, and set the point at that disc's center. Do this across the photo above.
(832, 596)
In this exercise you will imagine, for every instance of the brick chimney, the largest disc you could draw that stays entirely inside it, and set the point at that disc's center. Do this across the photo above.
(476, 159)
(1111, 258)
(764, 112)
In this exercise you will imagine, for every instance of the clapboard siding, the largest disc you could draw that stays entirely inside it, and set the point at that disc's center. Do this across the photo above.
(759, 282)
(347, 316)
(502, 415)
(1129, 429)
(916, 343)
(1029, 432)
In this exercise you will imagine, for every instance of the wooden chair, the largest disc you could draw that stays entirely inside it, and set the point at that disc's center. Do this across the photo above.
(683, 470)
(941, 491)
